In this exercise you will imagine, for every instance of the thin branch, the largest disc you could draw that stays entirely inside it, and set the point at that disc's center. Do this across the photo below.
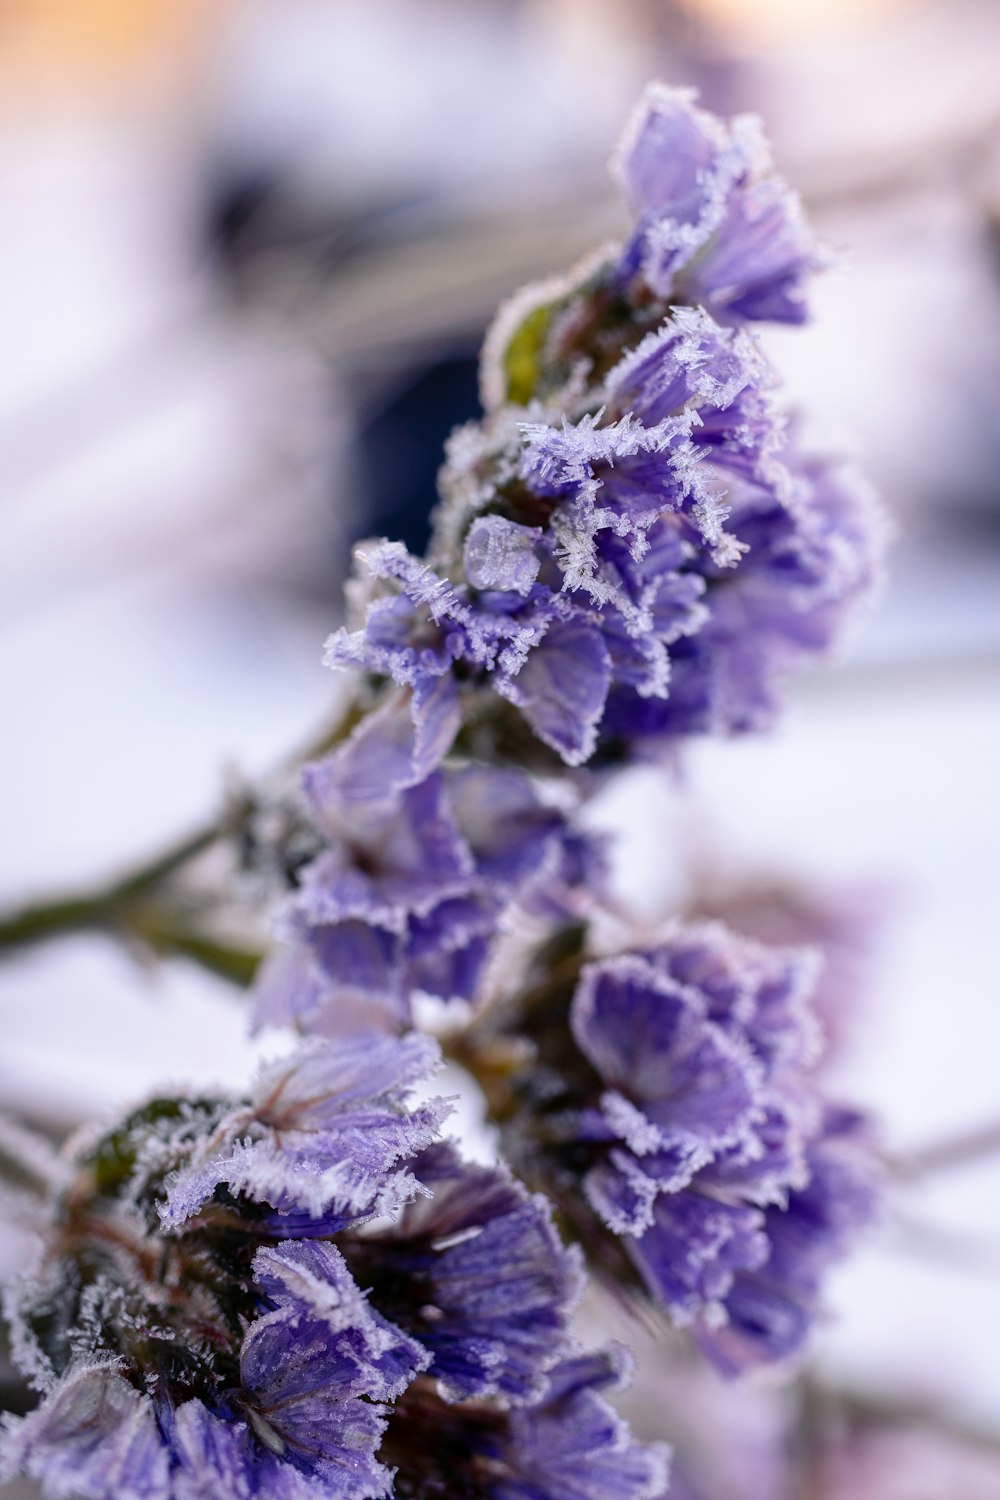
(131, 907)
(960, 1150)
(28, 1162)
(864, 1410)
(114, 908)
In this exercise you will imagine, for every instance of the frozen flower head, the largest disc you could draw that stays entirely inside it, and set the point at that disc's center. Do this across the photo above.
(714, 225)
(679, 1127)
(301, 1294)
(630, 548)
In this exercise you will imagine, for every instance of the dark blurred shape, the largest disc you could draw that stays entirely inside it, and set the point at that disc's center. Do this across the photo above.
(256, 210)
(400, 442)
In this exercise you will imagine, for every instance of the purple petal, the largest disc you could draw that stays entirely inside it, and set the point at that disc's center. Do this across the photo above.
(562, 688)
(93, 1438)
(693, 1249)
(476, 1273)
(649, 1039)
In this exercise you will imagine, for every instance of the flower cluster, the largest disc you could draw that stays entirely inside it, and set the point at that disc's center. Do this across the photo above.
(414, 883)
(685, 1124)
(631, 547)
(306, 1294)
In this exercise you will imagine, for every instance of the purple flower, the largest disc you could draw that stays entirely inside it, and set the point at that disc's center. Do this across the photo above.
(812, 556)
(476, 1273)
(689, 1125)
(327, 1133)
(714, 225)
(639, 553)
(685, 556)
(771, 1307)
(571, 1445)
(412, 891)
(562, 687)
(629, 548)
(502, 556)
(94, 1437)
(220, 1311)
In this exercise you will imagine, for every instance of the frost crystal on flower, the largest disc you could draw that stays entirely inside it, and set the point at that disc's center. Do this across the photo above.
(571, 1445)
(485, 1258)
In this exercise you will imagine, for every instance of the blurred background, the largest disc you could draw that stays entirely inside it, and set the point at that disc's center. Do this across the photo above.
(248, 249)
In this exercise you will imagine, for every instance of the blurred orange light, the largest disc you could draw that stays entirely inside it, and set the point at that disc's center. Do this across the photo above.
(769, 20)
(50, 45)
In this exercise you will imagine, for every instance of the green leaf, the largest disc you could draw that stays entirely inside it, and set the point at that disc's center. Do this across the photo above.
(522, 356)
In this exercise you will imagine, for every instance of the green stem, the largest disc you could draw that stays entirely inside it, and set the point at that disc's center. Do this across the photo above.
(128, 908)
(115, 908)
(238, 965)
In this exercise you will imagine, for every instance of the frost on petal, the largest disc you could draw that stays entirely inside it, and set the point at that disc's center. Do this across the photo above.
(327, 1133)
(715, 226)
(650, 1039)
(812, 549)
(477, 1274)
(411, 631)
(574, 1445)
(322, 1083)
(763, 992)
(562, 688)
(763, 251)
(500, 554)
(395, 747)
(622, 1192)
(386, 861)
(665, 152)
(689, 358)
(215, 1456)
(692, 1250)
(569, 1445)
(314, 1363)
(93, 1438)
(772, 1309)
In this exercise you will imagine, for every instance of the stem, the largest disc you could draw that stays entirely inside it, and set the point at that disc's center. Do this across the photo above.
(126, 908)
(114, 908)
(864, 1410)
(27, 1160)
(959, 1150)
(238, 965)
